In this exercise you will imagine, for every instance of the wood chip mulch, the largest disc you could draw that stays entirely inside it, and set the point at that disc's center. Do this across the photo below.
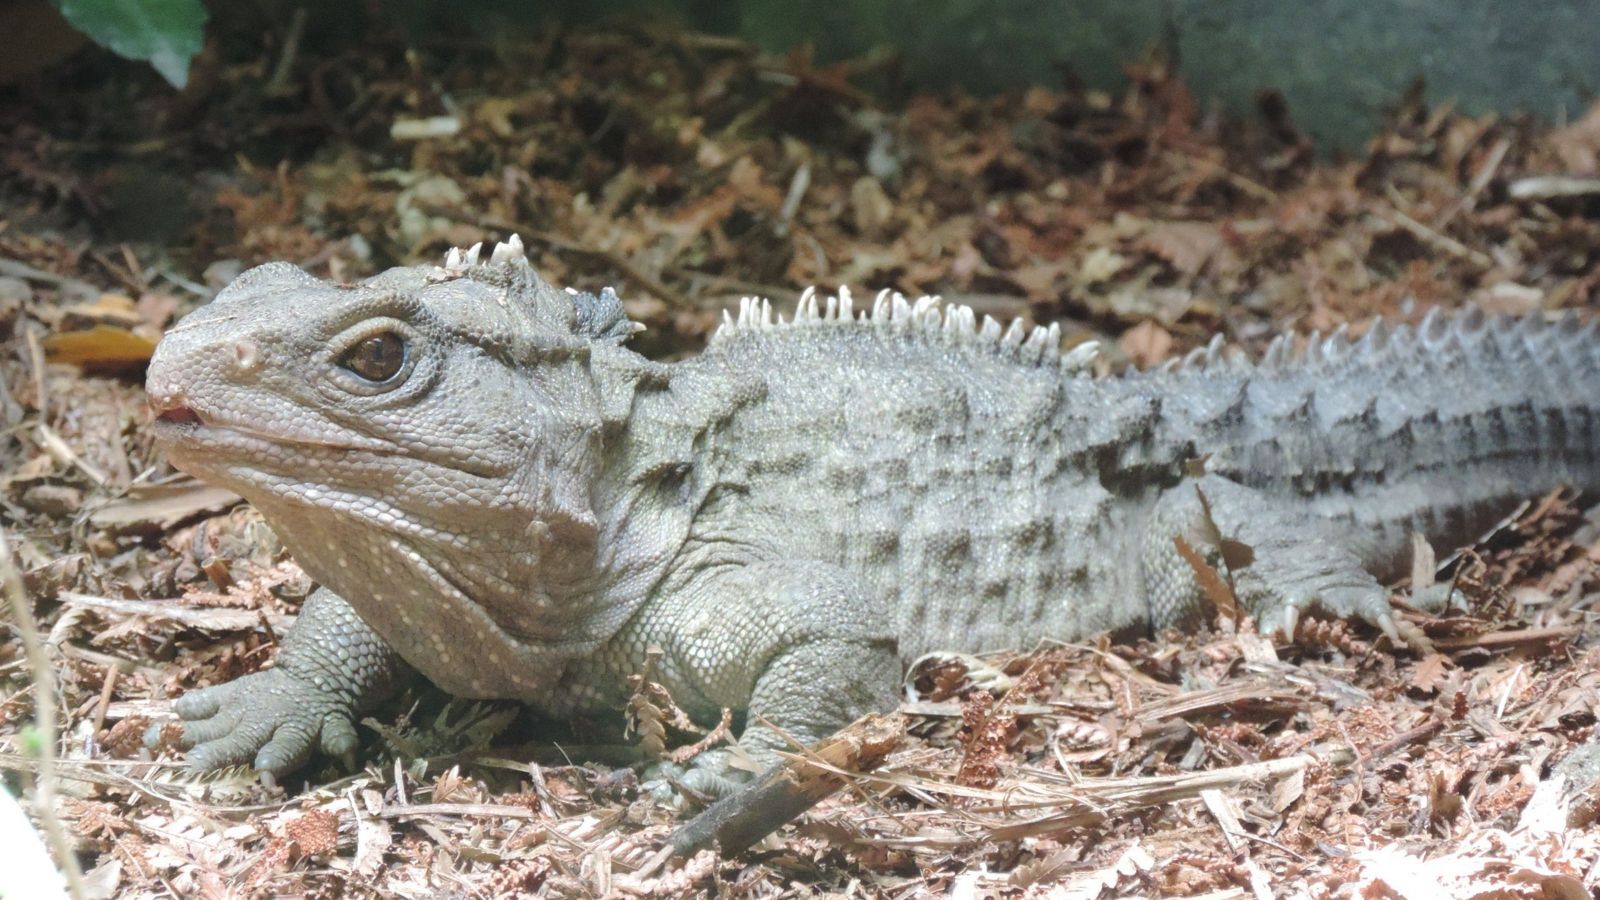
(689, 171)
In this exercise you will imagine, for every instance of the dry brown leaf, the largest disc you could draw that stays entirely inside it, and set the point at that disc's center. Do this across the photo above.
(1215, 587)
(1100, 265)
(1236, 555)
(749, 180)
(164, 505)
(1046, 869)
(1424, 563)
(1189, 246)
(1288, 789)
(373, 839)
(1146, 344)
(1134, 862)
(1430, 672)
(870, 206)
(107, 346)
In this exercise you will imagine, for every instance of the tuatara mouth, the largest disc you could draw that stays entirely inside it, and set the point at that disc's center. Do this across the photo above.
(180, 415)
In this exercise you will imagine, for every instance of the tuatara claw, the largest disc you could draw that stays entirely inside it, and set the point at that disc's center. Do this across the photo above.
(1385, 623)
(1291, 621)
(271, 720)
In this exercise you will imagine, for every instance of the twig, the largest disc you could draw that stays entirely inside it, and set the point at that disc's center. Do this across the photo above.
(998, 814)
(113, 673)
(208, 617)
(790, 788)
(1419, 734)
(1246, 185)
(1480, 180)
(1549, 187)
(1438, 240)
(44, 689)
(64, 455)
(791, 202)
(279, 82)
(17, 269)
(495, 810)
(41, 387)
(1509, 638)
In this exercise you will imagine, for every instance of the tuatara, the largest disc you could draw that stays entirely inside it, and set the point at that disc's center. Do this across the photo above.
(493, 489)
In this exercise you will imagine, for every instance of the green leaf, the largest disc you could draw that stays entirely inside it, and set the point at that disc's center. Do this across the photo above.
(32, 740)
(166, 33)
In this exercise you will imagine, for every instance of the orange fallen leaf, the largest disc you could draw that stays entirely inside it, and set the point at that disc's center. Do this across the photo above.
(1146, 344)
(102, 345)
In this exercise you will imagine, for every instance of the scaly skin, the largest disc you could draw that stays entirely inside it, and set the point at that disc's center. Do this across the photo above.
(526, 507)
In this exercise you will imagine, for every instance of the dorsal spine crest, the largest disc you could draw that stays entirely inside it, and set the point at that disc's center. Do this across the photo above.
(927, 316)
(1440, 340)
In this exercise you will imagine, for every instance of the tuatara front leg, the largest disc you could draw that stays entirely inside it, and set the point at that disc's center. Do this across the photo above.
(795, 644)
(331, 668)
(1294, 561)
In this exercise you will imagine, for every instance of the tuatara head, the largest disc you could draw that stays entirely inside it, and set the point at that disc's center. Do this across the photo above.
(404, 364)
(424, 441)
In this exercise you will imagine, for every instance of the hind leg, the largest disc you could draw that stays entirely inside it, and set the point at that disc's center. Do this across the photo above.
(1286, 559)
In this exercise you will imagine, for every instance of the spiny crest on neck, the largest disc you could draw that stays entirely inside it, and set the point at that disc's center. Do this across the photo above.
(593, 317)
(926, 319)
(1439, 339)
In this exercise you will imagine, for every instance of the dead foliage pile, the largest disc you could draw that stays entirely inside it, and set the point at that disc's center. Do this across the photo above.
(689, 171)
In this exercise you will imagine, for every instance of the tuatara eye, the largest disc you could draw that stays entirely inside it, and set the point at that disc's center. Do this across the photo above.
(376, 359)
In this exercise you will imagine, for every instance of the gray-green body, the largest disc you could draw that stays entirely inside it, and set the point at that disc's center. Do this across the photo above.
(805, 507)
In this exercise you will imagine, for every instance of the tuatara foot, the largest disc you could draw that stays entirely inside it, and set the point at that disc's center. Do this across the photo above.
(705, 779)
(1438, 597)
(1281, 562)
(332, 668)
(1279, 610)
(272, 719)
